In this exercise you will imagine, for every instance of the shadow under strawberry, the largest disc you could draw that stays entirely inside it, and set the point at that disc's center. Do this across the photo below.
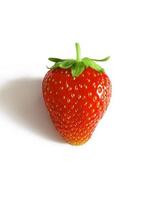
(21, 99)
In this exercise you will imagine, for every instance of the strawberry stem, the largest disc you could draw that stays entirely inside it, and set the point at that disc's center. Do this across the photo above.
(78, 52)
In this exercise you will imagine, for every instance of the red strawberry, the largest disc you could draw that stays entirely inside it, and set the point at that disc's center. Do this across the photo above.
(76, 94)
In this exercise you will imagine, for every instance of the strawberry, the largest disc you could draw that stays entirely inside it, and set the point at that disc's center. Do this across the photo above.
(76, 94)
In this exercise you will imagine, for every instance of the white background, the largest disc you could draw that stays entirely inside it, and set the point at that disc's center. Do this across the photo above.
(35, 163)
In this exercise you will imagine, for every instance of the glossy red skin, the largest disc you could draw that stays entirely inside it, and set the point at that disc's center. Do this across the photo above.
(76, 105)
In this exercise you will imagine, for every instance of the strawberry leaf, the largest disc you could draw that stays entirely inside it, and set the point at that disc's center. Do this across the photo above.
(101, 60)
(55, 59)
(90, 63)
(79, 65)
(65, 64)
(77, 69)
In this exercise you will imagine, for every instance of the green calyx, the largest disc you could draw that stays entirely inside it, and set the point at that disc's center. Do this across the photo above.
(79, 65)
